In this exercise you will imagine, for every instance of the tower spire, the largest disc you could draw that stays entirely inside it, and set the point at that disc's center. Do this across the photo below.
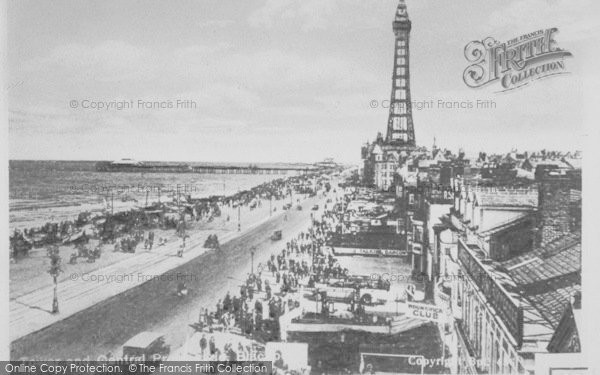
(400, 130)
(401, 13)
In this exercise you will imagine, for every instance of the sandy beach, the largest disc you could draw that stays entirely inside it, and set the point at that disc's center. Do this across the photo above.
(25, 275)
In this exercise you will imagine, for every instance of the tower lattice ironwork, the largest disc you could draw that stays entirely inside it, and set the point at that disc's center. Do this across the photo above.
(400, 130)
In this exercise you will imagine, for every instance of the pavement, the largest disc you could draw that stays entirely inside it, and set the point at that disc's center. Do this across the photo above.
(96, 317)
(31, 312)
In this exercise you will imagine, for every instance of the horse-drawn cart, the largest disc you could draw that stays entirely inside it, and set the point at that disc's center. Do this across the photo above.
(276, 236)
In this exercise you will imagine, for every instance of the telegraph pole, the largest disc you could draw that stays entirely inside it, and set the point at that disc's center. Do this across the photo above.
(54, 271)
(313, 255)
(239, 213)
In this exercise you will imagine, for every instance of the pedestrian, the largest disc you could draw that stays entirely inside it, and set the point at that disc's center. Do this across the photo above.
(203, 344)
(219, 308)
(212, 347)
(227, 302)
(202, 321)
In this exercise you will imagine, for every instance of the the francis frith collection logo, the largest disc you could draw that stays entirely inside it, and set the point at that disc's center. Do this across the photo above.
(514, 63)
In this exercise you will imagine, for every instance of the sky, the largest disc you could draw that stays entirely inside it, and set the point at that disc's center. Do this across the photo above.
(276, 80)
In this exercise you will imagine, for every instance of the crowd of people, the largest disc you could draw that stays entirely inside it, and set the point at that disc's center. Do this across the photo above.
(268, 294)
(120, 228)
(265, 295)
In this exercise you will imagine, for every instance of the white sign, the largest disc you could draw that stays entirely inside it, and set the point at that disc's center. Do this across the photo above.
(374, 252)
(287, 356)
(424, 311)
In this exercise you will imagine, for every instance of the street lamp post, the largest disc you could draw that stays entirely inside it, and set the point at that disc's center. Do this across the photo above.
(252, 250)
(54, 271)
(397, 300)
(239, 217)
(55, 298)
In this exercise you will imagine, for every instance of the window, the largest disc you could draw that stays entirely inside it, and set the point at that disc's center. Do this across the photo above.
(489, 337)
(477, 343)
(497, 359)
(511, 364)
(505, 358)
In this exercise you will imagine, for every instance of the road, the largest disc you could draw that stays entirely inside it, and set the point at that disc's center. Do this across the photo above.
(154, 306)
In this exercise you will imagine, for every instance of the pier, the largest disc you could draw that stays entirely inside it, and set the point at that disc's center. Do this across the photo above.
(128, 165)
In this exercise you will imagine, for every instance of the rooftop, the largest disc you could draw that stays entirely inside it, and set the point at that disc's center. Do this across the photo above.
(508, 198)
(548, 276)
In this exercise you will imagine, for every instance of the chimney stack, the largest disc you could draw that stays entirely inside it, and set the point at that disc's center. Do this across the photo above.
(554, 190)
(576, 300)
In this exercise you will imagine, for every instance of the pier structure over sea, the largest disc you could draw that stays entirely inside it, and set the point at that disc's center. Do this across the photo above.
(255, 170)
(129, 165)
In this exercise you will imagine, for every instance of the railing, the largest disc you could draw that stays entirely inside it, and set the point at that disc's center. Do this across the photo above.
(509, 310)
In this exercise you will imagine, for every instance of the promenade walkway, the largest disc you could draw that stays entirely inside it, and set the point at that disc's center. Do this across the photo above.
(30, 312)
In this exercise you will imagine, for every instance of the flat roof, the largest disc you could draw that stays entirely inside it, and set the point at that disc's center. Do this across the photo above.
(143, 339)
(367, 240)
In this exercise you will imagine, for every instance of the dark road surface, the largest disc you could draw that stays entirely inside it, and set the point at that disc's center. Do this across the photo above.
(153, 306)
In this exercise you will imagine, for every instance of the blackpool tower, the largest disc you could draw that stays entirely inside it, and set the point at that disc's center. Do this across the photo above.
(400, 131)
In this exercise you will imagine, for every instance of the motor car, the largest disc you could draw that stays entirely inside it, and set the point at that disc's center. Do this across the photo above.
(276, 236)
(146, 346)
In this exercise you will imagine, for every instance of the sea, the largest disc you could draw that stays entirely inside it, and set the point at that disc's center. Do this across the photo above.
(42, 191)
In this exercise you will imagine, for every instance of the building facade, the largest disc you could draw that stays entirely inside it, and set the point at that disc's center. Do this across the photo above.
(512, 276)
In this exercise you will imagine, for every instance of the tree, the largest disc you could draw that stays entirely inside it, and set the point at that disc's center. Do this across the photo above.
(54, 271)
